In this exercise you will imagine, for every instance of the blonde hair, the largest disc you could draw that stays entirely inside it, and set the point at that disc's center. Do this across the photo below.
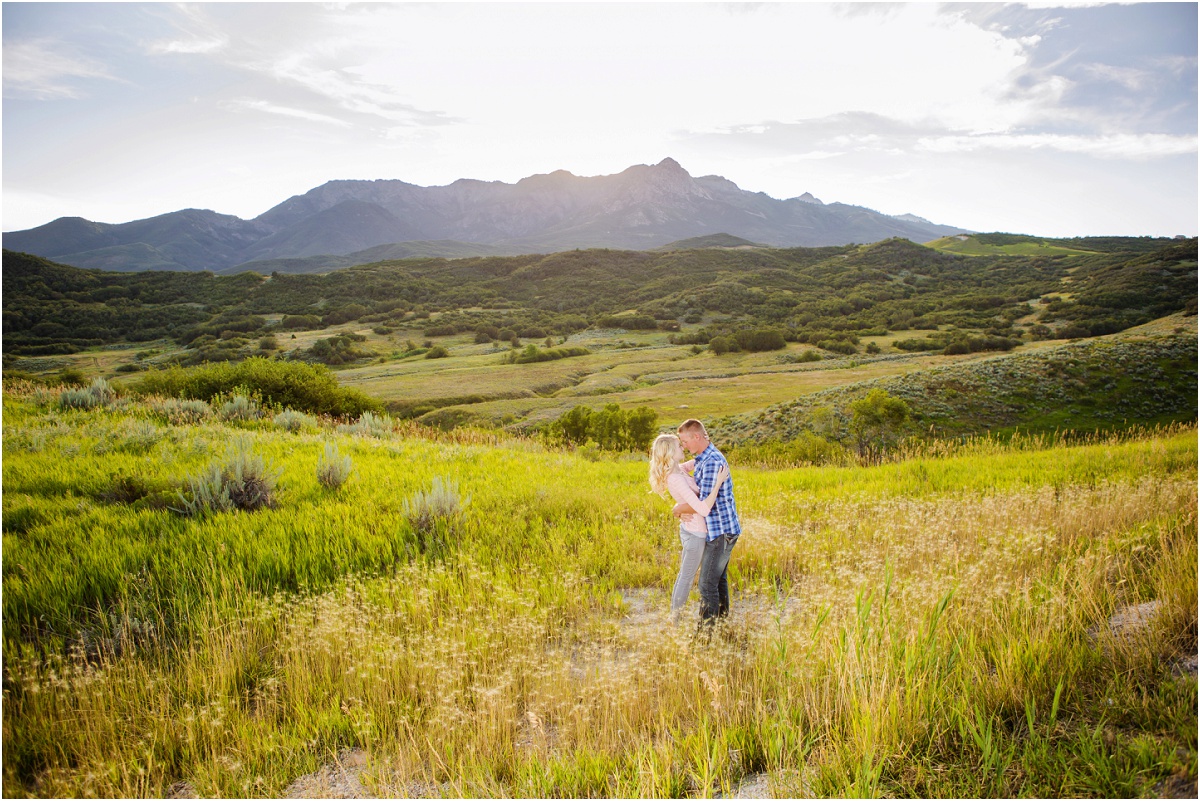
(692, 424)
(664, 458)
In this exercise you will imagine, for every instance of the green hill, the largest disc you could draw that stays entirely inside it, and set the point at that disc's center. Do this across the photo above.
(1023, 245)
(814, 295)
(711, 241)
(1081, 386)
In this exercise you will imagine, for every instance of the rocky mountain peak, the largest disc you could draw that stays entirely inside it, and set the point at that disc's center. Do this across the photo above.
(644, 206)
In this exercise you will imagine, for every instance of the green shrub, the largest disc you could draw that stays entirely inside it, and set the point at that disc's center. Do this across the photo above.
(837, 346)
(181, 412)
(368, 424)
(300, 322)
(294, 385)
(71, 376)
(240, 408)
(340, 349)
(292, 420)
(913, 345)
(437, 352)
(139, 435)
(722, 345)
(532, 353)
(876, 423)
(760, 339)
(333, 469)
(612, 428)
(208, 494)
(99, 393)
(805, 449)
(433, 516)
(245, 482)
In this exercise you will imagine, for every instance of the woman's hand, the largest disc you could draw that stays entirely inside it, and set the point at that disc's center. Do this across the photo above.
(721, 477)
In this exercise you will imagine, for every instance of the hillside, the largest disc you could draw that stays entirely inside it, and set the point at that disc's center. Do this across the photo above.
(642, 207)
(830, 297)
(1082, 386)
(710, 241)
(416, 249)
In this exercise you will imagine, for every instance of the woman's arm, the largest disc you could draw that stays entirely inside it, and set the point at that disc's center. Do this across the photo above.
(691, 504)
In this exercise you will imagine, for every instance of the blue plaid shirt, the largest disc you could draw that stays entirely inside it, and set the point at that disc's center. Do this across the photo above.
(723, 518)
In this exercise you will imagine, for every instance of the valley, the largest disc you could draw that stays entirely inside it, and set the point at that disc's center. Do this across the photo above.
(260, 531)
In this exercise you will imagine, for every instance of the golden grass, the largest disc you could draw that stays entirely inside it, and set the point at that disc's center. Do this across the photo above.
(918, 628)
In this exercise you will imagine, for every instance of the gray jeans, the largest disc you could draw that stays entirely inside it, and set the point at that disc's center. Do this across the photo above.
(689, 563)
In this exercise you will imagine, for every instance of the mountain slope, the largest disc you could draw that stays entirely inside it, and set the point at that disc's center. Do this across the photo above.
(1091, 385)
(642, 207)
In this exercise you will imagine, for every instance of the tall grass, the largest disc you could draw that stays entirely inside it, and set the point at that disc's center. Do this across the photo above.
(924, 628)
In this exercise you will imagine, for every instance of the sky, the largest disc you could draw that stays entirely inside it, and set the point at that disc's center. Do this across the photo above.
(1046, 119)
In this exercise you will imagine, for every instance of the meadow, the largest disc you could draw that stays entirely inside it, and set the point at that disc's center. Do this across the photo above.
(936, 625)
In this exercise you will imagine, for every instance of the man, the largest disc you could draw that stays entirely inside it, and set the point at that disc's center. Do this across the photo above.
(723, 524)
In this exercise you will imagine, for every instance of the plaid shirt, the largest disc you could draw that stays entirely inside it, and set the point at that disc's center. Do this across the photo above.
(723, 519)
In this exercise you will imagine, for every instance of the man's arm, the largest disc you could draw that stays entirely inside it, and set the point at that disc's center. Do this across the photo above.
(704, 475)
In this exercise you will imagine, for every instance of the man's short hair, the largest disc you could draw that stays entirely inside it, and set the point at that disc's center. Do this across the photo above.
(691, 425)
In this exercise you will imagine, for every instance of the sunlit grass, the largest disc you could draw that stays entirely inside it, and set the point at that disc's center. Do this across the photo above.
(930, 627)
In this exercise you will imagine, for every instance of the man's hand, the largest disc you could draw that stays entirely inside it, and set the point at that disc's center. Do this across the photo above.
(682, 508)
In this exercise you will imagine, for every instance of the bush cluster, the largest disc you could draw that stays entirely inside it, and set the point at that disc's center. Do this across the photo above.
(295, 385)
(181, 412)
(532, 353)
(611, 428)
(369, 424)
(340, 349)
(433, 516)
(99, 393)
(292, 420)
(333, 469)
(245, 481)
(632, 322)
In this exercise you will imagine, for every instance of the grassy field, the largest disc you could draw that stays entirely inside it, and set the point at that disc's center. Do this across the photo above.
(936, 626)
(970, 246)
(474, 385)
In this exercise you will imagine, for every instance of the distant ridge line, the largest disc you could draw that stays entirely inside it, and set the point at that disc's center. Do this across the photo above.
(641, 208)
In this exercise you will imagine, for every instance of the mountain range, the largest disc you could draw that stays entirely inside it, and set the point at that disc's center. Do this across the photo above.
(343, 223)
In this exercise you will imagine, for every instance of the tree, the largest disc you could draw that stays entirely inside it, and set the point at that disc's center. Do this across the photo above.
(640, 427)
(608, 427)
(876, 423)
(576, 424)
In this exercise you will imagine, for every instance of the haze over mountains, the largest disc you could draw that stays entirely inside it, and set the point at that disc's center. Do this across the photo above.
(342, 223)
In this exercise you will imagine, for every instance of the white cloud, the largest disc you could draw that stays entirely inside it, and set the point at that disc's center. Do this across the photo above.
(189, 46)
(1122, 146)
(874, 105)
(46, 69)
(197, 34)
(1128, 77)
(285, 111)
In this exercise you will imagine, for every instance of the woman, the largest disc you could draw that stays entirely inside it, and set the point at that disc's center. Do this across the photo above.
(667, 476)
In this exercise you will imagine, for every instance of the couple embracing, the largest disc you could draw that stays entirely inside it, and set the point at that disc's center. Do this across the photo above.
(709, 527)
